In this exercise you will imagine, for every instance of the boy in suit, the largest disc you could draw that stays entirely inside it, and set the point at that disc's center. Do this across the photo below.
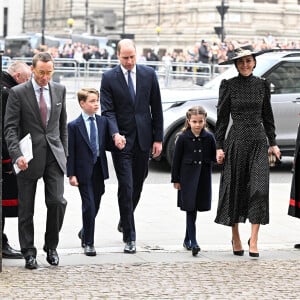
(87, 163)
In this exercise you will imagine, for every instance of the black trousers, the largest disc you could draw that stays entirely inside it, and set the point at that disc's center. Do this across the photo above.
(131, 168)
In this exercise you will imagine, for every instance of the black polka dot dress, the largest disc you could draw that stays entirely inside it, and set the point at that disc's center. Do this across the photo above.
(244, 183)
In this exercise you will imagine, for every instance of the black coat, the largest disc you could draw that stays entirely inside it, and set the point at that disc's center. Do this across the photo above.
(294, 205)
(9, 185)
(192, 168)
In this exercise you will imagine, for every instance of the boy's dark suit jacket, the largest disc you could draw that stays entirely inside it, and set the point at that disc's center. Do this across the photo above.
(80, 159)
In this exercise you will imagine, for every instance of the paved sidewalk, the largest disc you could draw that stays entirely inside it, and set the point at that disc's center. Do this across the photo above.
(161, 268)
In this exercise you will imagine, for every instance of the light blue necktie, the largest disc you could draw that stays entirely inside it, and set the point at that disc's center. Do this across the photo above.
(93, 138)
(130, 86)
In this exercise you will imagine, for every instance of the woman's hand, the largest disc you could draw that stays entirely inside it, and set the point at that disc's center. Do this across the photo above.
(220, 155)
(276, 151)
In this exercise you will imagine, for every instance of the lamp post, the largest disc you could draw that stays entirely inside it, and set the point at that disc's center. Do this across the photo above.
(158, 28)
(43, 21)
(124, 16)
(222, 9)
(86, 15)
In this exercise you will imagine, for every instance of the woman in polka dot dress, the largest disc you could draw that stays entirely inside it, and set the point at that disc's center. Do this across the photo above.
(243, 153)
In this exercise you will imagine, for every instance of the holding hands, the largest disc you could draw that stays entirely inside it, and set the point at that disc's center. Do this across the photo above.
(120, 141)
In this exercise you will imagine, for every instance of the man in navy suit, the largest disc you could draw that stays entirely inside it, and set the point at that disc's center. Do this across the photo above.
(130, 99)
(86, 165)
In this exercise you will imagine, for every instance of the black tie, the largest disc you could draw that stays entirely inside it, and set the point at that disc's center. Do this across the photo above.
(130, 86)
(93, 138)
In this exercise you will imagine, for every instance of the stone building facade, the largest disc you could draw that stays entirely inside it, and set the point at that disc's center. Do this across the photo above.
(168, 24)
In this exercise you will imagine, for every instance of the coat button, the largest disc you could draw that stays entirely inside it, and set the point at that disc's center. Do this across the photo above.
(199, 162)
(195, 162)
(200, 150)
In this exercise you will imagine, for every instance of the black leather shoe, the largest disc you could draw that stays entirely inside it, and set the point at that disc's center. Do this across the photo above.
(52, 256)
(130, 247)
(30, 262)
(120, 228)
(195, 250)
(9, 252)
(296, 246)
(187, 245)
(81, 238)
(89, 250)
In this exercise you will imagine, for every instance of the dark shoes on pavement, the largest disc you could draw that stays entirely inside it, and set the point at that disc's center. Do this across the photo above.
(30, 262)
(89, 250)
(297, 246)
(9, 252)
(81, 238)
(52, 256)
(130, 247)
(195, 250)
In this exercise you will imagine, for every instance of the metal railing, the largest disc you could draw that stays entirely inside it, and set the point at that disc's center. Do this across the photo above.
(74, 74)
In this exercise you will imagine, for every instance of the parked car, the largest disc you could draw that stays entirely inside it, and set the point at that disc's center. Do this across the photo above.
(281, 68)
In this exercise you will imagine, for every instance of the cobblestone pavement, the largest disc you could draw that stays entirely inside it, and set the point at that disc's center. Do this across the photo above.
(211, 275)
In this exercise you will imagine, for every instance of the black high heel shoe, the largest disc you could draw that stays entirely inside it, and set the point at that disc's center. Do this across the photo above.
(237, 252)
(252, 254)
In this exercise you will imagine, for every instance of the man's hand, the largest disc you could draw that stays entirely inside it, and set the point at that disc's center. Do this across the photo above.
(73, 181)
(156, 149)
(22, 163)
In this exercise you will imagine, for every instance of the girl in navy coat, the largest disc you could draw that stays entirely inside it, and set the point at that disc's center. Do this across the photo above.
(195, 152)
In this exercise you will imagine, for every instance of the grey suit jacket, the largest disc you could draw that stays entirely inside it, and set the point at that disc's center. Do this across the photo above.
(22, 116)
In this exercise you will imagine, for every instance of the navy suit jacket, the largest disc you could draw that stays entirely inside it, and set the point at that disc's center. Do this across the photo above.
(80, 159)
(142, 119)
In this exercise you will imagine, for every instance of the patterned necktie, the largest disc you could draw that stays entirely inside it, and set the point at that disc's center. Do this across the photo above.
(130, 86)
(43, 107)
(93, 138)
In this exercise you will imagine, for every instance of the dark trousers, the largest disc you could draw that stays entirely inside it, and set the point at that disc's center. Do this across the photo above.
(91, 193)
(56, 205)
(131, 169)
(190, 234)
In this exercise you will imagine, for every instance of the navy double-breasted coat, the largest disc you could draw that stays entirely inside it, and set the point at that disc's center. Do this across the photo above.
(192, 168)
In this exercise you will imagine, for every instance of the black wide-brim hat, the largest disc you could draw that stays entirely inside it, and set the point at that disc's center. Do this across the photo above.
(238, 53)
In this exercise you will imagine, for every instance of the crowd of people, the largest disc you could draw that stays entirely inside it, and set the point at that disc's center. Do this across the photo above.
(131, 128)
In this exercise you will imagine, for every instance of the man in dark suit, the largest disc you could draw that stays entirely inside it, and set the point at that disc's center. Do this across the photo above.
(38, 107)
(130, 99)
(17, 72)
(87, 163)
